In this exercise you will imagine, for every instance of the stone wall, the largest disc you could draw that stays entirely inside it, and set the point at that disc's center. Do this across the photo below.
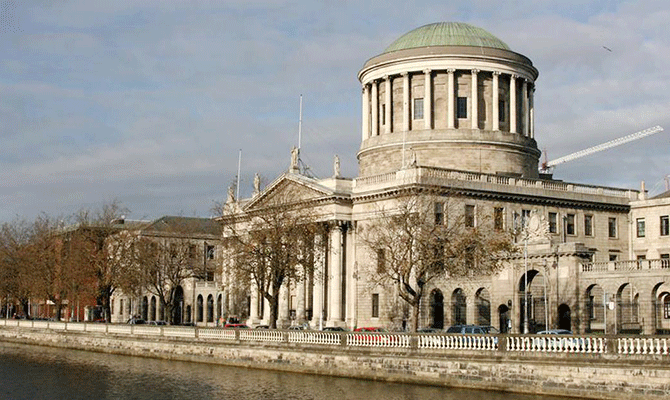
(587, 375)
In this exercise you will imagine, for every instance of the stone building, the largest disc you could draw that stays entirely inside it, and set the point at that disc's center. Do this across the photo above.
(450, 107)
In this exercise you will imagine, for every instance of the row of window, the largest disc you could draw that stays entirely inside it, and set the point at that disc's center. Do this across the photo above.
(569, 221)
(664, 224)
(461, 109)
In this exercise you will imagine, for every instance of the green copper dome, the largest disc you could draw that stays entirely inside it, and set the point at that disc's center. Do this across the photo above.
(446, 34)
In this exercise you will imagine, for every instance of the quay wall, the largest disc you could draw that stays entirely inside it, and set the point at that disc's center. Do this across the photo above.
(601, 375)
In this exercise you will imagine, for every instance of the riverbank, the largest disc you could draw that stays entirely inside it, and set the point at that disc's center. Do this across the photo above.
(600, 373)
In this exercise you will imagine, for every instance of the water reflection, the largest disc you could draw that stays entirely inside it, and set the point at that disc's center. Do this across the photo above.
(33, 372)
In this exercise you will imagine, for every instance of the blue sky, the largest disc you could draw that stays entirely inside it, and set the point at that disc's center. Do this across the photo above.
(150, 101)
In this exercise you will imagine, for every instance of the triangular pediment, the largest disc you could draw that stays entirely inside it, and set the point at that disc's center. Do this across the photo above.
(289, 189)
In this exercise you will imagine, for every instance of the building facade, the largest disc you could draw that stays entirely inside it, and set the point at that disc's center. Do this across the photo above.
(449, 108)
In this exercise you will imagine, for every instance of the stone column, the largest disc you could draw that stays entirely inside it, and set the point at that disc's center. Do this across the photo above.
(375, 109)
(389, 105)
(300, 301)
(450, 99)
(405, 101)
(525, 114)
(253, 316)
(265, 320)
(352, 279)
(512, 103)
(428, 99)
(495, 101)
(319, 279)
(475, 100)
(335, 284)
(470, 312)
(365, 128)
(532, 111)
(282, 312)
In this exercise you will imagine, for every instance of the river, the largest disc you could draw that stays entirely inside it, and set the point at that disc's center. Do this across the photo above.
(35, 372)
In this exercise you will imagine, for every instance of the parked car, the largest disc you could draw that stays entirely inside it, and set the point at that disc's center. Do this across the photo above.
(334, 329)
(236, 326)
(429, 330)
(262, 327)
(370, 329)
(468, 329)
(555, 332)
(136, 321)
(158, 323)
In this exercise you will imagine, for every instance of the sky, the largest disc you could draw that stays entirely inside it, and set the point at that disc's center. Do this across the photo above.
(149, 102)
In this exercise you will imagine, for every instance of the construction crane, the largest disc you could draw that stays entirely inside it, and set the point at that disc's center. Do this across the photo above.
(548, 166)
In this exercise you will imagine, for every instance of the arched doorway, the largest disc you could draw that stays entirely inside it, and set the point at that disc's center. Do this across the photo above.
(152, 309)
(503, 318)
(564, 317)
(436, 309)
(483, 307)
(458, 307)
(199, 310)
(145, 308)
(219, 307)
(177, 312)
(533, 307)
(627, 309)
(210, 308)
(595, 309)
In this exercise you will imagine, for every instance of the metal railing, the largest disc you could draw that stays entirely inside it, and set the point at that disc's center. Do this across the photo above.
(423, 342)
(448, 174)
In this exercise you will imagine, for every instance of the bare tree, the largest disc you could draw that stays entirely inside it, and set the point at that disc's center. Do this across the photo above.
(426, 236)
(49, 274)
(272, 245)
(96, 245)
(161, 265)
(15, 264)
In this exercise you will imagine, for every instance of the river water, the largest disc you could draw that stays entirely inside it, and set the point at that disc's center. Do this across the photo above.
(34, 372)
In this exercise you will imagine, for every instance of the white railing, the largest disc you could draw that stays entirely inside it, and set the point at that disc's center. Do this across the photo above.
(261, 335)
(315, 337)
(643, 345)
(377, 339)
(458, 342)
(216, 334)
(526, 344)
(179, 331)
(557, 344)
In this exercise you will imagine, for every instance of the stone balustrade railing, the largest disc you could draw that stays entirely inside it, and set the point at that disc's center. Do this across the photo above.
(627, 265)
(423, 342)
(419, 173)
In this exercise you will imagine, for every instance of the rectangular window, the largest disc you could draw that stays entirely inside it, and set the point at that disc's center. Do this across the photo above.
(639, 223)
(525, 215)
(614, 257)
(588, 225)
(570, 224)
(611, 227)
(381, 260)
(469, 215)
(665, 225)
(462, 107)
(501, 111)
(418, 108)
(498, 218)
(553, 219)
(439, 213)
(209, 252)
(375, 305)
